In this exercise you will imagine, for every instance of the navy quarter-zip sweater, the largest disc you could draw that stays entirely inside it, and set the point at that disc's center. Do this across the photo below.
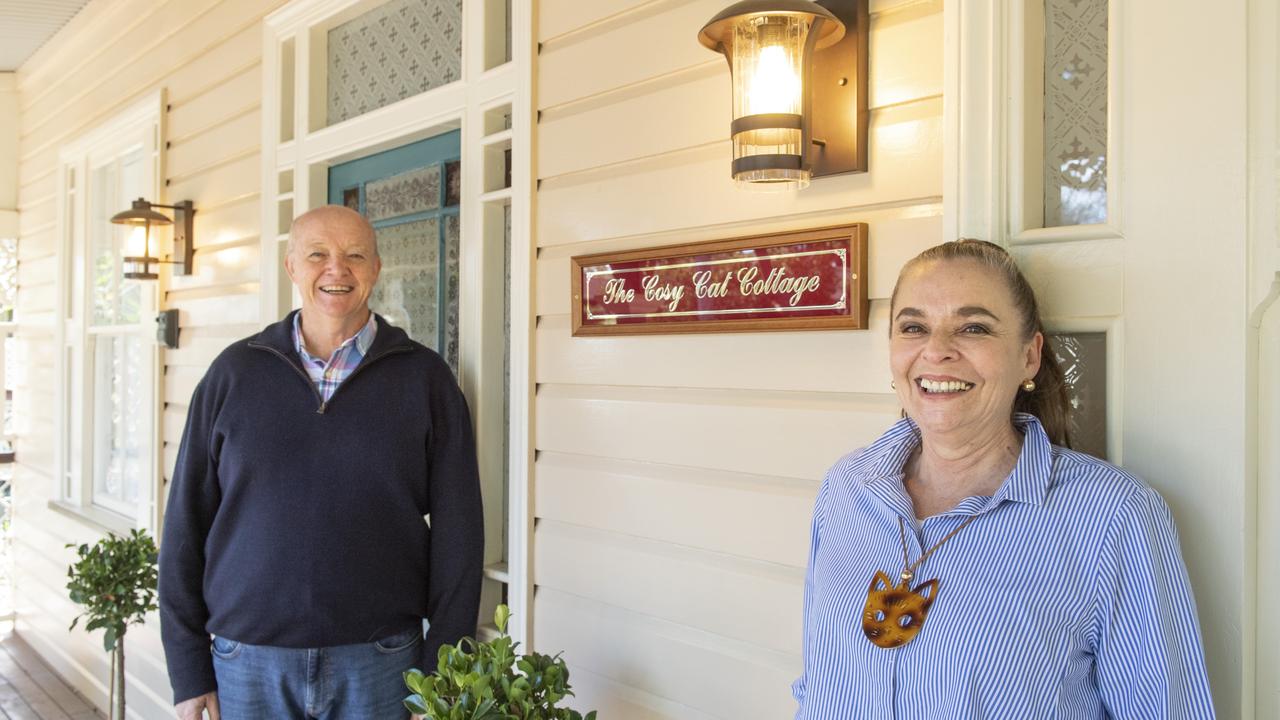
(296, 523)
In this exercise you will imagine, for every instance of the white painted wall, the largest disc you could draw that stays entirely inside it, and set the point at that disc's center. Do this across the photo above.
(206, 54)
(676, 474)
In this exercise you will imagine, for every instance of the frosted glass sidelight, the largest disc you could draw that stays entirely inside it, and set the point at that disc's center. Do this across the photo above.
(1075, 112)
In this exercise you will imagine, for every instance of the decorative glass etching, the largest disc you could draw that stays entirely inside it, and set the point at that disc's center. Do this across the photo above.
(395, 51)
(404, 194)
(407, 293)
(1075, 112)
(1083, 359)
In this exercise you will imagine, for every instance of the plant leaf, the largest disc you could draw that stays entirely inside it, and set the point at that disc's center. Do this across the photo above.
(416, 705)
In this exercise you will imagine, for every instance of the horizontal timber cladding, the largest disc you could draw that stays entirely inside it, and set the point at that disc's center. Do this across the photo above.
(676, 474)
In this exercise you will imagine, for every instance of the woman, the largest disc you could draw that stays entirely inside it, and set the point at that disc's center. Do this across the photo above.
(968, 565)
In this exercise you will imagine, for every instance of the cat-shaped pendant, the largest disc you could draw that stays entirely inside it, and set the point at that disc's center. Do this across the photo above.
(894, 615)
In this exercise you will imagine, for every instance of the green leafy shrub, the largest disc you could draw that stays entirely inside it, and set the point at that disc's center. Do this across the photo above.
(486, 681)
(115, 581)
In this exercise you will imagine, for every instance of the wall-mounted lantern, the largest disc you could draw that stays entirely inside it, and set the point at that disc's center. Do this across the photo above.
(142, 216)
(799, 74)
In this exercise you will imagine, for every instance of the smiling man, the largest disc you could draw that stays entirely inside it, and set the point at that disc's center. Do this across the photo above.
(324, 503)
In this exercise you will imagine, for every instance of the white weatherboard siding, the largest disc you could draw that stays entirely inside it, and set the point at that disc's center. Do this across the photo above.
(206, 55)
(676, 474)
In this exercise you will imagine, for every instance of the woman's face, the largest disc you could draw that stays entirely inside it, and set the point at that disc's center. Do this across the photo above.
(956, 349)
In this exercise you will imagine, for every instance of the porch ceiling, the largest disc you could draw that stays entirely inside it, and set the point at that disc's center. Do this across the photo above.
(25, 25)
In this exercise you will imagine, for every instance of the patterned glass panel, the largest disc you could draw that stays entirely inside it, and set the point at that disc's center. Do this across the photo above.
(506, 356)
(398, 50)
(407, 293)
(120, 446)
(452, 254)
(404, 194)
(1075, 112)
(1083, 359)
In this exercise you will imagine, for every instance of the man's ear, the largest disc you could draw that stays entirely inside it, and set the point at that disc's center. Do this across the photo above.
(288, 264)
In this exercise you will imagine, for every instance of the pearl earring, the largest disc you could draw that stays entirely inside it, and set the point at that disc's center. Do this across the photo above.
(1029, 385)
(893, 385)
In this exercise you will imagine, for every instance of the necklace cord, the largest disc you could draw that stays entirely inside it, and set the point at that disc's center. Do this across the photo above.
(910, 569)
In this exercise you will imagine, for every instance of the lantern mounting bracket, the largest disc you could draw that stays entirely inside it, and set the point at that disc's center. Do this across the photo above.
(839, 116)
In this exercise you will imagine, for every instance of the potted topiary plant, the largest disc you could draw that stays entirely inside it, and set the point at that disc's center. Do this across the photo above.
(115, 581)
(488, 682)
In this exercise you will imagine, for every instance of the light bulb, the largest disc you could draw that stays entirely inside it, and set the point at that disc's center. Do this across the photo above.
(775, 86)
(135, 244)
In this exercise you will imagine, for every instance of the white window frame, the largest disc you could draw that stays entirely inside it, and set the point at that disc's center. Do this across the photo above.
(136, 127)
(297, 151)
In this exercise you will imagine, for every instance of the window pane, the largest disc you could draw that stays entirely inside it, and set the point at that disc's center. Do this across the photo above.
(113, 187)
(398, 50)
(1083, 359)
(121, 443)
(8, 278)
(1075, 112)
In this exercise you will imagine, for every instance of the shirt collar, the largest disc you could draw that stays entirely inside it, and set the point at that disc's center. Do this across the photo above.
(363, 338)
(884, 459)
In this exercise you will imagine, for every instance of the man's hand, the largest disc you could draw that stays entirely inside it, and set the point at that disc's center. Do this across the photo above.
(193, 709)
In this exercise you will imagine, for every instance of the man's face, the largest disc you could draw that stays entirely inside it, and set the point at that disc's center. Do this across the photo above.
(333, 261)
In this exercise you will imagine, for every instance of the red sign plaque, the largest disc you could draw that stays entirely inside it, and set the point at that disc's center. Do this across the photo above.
(789, 281)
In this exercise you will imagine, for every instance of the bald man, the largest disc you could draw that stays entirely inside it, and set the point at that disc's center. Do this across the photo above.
(325, 502)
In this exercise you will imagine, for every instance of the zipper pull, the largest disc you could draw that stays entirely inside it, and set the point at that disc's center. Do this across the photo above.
(323, 405)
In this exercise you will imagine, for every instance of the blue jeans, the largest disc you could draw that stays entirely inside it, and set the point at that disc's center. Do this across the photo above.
(346, 682)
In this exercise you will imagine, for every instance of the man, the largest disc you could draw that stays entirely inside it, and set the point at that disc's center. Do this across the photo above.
(295, 530)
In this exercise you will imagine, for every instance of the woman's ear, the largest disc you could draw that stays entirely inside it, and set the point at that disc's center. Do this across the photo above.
(1034, 348)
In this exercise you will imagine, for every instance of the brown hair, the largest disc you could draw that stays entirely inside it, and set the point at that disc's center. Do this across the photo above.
(1048, 401)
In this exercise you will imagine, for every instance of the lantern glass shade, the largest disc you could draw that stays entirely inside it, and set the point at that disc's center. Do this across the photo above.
(140, 217)
(768, 85)
(138, 261)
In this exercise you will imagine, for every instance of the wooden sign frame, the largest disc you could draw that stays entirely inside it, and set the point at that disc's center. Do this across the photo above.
(854, 317)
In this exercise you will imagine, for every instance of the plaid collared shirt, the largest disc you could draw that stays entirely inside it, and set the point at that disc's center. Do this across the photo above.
(328, 375)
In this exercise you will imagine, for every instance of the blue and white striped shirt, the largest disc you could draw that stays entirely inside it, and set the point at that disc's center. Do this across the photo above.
(1065, 598)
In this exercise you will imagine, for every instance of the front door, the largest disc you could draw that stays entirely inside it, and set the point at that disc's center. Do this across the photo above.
(411, 196)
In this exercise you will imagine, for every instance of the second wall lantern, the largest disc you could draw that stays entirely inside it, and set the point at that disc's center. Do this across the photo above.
(142, 215)
(799, 74)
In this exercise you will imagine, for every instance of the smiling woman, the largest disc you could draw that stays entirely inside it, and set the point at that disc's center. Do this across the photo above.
(993, 518)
